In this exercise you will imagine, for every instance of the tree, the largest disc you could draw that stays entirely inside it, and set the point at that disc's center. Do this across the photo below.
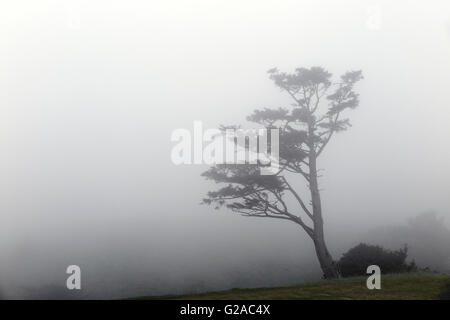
(305, 129)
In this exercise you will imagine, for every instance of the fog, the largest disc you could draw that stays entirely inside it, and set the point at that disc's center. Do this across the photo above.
(91, 92)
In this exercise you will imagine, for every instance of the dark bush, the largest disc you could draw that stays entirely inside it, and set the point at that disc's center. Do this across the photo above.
(357, 259)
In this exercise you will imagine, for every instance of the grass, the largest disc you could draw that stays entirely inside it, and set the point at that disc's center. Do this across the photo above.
(407, 286)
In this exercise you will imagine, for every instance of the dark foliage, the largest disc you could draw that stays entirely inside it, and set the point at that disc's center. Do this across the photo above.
(355, 261)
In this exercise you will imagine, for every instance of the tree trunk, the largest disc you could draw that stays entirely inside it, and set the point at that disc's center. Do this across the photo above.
(329, 267)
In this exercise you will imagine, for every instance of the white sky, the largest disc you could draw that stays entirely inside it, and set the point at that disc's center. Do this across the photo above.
(91, 91)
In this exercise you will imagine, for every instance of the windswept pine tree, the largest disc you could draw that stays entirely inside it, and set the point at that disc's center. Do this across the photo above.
(305, 129)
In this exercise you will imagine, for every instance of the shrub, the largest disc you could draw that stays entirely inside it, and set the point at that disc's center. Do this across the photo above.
(355, 261)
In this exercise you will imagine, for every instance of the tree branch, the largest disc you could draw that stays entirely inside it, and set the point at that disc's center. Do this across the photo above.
(299, 200)
(324, 144)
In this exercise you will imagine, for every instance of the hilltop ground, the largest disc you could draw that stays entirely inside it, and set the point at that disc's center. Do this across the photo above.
(415, 286)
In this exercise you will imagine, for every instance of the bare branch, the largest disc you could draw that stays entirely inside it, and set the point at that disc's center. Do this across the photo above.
(299, 200)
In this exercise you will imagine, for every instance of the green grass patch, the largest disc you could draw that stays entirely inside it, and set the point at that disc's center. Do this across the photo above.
(407, 286)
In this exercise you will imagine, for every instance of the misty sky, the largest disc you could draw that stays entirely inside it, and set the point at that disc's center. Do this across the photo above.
(92, 90)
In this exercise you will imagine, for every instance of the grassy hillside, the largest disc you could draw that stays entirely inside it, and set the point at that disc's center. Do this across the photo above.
(400, 286)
